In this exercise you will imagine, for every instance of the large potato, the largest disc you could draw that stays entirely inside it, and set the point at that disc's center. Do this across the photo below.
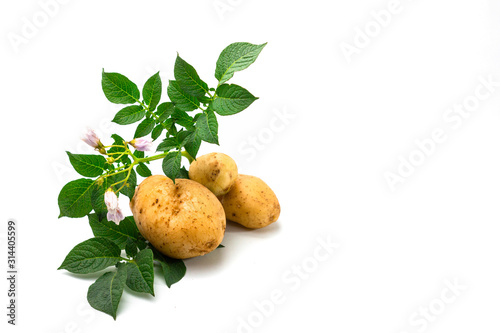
(251, 203)
(216, 171)
(181, 220)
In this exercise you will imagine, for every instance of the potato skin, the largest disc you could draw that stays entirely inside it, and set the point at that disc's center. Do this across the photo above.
(251, 203)
(216, 171)
(181, 220)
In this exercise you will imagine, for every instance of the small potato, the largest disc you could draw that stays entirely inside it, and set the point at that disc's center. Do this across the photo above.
(180, 220)
(251, 203)
(216, 171)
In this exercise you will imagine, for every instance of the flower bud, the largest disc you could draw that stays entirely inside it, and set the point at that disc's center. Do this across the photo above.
(141, 144)
(111, 200)
(114, 212)
(90, 138)
(115, 215)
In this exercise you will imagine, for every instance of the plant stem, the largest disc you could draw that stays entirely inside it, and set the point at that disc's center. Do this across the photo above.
(186, 155)
(118, 157)
(155, 116)
(152, 158)
(115, 173)
(124, 181)
(135, 158)
(111, 146)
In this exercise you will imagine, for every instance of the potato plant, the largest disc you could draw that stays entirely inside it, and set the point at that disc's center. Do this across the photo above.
(180, 124)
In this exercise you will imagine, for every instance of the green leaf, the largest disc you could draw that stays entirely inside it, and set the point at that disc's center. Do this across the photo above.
(188, 80)
(236, 57)
(141, 243)
(172, 164)
(231, 99)
(118, 142)
(105, 293)
(74, 198)
(205, 99)
(88, 165)
(129, 115)
(118, 234)
(140, 274)
(144, 128)
(182, 118)
(220, 246)
(97, 198)
(143, 170)
(192, 143)
(207, 127)
(164, 111)
(196, 116)
(183, 173)
(91, 256)
(168, 144)
(173, 269)
(97, 201)
(182, 135)
(139, 154)
(172, 130)
(157, 132)
(180, 98)
(152, 91)
(168, 124)
(131, 248)
(119, 89)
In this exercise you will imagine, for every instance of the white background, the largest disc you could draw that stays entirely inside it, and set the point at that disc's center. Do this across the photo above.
(347, 123)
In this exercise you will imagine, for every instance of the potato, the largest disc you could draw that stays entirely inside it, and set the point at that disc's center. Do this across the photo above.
(180, 220)
(216, 171)
(251, 203)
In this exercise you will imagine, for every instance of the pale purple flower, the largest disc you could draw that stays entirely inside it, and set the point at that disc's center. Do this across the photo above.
(111, 200)
(142, 144)
(115, 215)
(90, 138)
(114, 212)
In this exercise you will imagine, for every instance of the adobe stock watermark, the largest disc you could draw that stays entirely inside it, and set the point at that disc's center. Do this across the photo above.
(422, 318)
(222, 7)
(251, 146)
(33, 24)
(292, 279)
(363, 36)
(84, 316)
(104, 130)
(3, 239)
(453, 119)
